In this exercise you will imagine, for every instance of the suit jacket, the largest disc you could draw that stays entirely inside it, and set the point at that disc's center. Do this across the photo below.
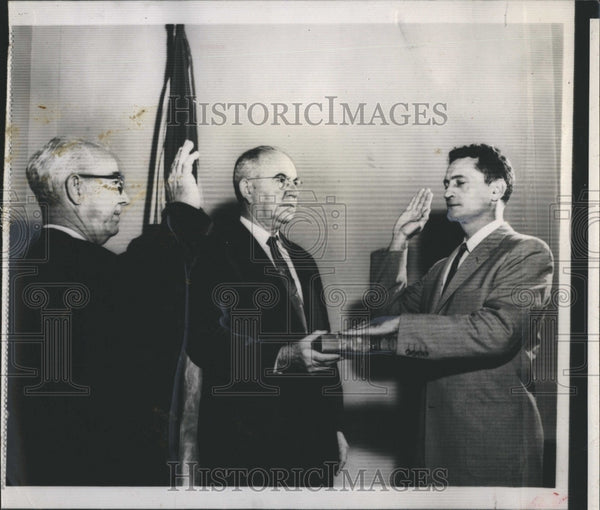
(122, 318)
(476, 341)
(61, 429)
(251, 416)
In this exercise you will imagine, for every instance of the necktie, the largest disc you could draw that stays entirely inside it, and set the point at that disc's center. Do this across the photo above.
(284, 270)
(454, 266)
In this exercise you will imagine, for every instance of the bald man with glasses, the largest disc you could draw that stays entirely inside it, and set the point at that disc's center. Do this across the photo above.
(63, 301)
(271, 405)
(74, 416)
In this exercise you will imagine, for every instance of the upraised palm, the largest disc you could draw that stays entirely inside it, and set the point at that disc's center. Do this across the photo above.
(412, 220)
(181, 185)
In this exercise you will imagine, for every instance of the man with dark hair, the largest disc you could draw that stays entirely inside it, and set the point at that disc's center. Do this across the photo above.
(490, 162)
(467, 324)
(271, 405)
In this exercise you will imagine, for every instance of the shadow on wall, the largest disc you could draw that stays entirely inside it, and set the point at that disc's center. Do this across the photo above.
(439, 237)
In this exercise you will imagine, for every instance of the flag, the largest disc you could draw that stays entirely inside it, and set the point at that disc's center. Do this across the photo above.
(175, 120)
(175, 123)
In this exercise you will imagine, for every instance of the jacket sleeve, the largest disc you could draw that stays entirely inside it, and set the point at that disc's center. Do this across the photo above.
(333, 381)
(388, 278)
(500, 327)
(188, 226)
(153, 276)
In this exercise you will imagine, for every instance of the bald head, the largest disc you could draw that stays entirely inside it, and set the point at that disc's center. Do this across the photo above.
(266, 185)
(247, 165)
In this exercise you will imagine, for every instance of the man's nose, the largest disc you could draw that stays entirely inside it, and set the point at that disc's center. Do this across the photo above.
(124, 198)
(448, 193)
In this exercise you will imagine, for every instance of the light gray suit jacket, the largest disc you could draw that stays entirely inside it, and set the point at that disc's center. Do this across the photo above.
(479, 419)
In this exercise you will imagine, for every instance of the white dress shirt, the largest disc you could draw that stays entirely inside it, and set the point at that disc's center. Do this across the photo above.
(66, 230)
(472, 243)
(262, 236)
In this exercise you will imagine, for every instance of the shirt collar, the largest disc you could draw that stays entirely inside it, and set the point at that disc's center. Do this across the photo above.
(66, 230)
(482, 233)
(259, 233)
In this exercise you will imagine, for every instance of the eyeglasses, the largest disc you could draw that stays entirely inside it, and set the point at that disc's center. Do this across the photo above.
(283, 181)
(119, 177)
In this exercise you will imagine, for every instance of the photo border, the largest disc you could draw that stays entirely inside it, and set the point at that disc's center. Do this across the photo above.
(569, 439)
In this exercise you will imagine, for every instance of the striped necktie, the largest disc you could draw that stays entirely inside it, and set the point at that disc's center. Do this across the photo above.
(284, 270)
(454, 266)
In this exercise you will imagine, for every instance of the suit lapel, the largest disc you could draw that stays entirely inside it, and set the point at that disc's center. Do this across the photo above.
(479, 255)
(301, 306)
(433, 291)
(253, 260)
(249, 257)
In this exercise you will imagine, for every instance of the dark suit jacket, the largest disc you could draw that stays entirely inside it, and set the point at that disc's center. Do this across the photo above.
(250, 416)
(126, 316)
(61, 428)
(479, 419)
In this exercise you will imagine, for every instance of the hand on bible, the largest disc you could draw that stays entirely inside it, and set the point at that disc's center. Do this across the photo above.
(412, 220)
(181, 185)
(347, 344)
(301, 355)
(382, 326)
(379, 336)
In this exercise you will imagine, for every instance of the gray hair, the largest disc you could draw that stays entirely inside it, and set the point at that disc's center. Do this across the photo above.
(247, 163)
(49, 168)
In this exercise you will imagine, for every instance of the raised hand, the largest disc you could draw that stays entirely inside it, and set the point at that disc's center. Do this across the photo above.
(181, 185)
(412, 220)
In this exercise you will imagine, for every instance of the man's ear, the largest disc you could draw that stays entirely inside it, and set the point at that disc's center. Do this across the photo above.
(246, 190)
(74, 191)
(498, 188)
